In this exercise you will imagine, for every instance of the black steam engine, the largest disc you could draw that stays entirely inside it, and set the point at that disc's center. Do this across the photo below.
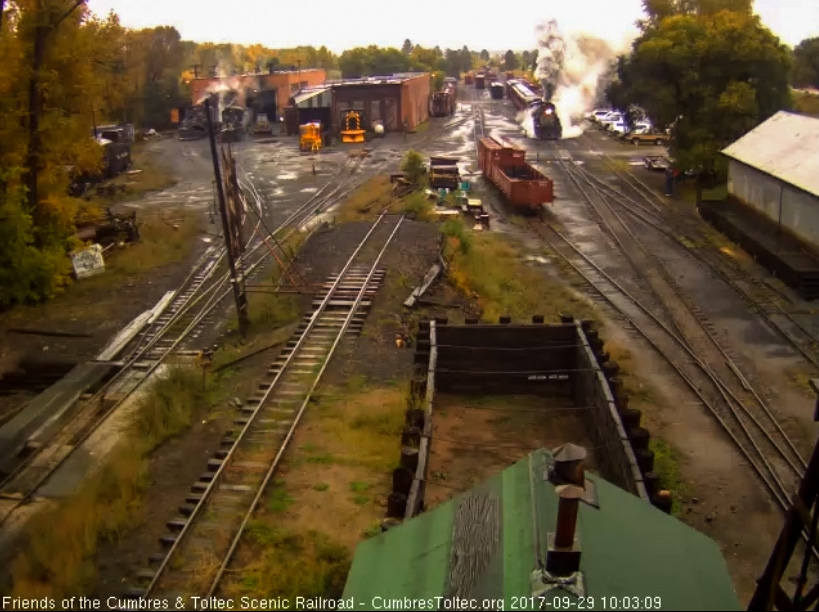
(545, 122)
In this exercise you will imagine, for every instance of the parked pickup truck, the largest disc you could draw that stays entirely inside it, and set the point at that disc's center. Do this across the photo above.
(637, 138)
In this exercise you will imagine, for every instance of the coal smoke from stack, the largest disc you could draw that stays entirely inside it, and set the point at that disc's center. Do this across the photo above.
(551, 51)
(569, 67)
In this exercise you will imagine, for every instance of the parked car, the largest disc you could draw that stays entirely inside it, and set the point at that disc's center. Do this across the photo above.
(618, 128)
(647, 137)
(598, 114)
(612, 117)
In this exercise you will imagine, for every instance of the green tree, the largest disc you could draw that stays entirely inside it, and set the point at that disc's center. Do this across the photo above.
(657, 10)
(466, 59)
(525, 60)
(413, 165)
(806, 63)
(372, 61)
(484, 55)
(437, 80)
(712, 76)
(510, 60)
(407, 48)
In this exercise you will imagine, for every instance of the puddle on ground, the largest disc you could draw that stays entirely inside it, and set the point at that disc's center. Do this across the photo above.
(309, 190)
(290, 176)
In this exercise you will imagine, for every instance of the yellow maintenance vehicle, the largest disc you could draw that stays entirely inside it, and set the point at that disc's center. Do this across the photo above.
(352, 131)
(310, 136)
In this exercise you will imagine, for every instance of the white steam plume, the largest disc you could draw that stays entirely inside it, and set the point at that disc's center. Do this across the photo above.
(222, 87)
(569, 67)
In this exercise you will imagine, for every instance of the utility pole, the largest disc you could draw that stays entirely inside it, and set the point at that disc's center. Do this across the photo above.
(236, 280)
(196, 68)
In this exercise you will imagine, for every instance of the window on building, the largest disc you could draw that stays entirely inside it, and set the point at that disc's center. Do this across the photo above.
(304, 83)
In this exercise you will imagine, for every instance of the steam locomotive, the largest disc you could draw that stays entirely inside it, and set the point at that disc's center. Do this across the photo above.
(543, 113)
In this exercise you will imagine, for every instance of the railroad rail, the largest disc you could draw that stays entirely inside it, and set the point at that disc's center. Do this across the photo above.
(237, 478)
(197, 297)
(688, 345)
(769, 302)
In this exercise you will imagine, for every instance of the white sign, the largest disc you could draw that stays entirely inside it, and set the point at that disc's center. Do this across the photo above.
(88, 261)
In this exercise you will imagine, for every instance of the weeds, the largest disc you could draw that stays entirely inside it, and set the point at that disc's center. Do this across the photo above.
(162, 241)
(454, 229)
(366, 201)
(321, 486)
(491, 272)
(279, 501)
(806, 103)
(153, 177)
(667, 467)
(418, 206)
(57, 562)
(293, 564)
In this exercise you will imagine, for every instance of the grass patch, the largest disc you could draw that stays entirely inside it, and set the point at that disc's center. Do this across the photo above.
(493, 273)
(279, 501)
(291, 564)
(638, 392)
(320, 459)
(667, 467)
(154, 177)
(359, 487)
(805, 103)
(162, 241)
(366, 201)
(418, 206)
(59, 562)
(321, 486)
(361, 500)
(801, 380)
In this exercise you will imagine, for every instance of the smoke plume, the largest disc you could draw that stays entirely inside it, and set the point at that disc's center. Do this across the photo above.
(570, 66)
(226, 90)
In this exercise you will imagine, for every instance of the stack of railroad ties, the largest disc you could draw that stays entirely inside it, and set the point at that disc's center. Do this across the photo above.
(445, 177)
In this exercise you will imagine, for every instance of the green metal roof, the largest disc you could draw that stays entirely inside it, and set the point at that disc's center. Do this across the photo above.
(483, 546)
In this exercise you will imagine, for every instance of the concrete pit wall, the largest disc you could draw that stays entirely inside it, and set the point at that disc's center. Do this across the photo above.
(563, 360)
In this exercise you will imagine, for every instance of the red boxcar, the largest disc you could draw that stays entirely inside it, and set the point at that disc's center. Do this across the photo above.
(526, 188)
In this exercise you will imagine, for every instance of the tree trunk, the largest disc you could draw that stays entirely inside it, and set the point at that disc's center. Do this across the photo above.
(34, 108)
(2, 10)
(699, 189)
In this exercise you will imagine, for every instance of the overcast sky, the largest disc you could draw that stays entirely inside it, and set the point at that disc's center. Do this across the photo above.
(447, 23)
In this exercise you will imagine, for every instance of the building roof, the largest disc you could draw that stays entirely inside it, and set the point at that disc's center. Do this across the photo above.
(786, 146)
(394, 79)
(482, 545)
(305, 94)
(227, 77)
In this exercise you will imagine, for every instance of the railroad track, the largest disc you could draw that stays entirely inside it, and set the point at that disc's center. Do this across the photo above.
(196, 299)
(769, 302)
(204, 538)
(688, 345)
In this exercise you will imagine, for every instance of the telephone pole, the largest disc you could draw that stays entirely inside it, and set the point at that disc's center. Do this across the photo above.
(236, 280)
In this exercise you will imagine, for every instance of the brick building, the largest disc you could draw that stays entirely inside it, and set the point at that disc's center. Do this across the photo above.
(264, 93)
(397, 100)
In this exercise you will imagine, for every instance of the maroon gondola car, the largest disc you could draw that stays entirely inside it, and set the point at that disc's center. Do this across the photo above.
(525, 188)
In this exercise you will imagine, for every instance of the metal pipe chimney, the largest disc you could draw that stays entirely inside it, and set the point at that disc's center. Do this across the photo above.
(568, 503)
(563, 554)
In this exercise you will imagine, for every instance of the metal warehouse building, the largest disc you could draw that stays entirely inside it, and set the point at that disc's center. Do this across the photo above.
(774, 169)
(397, 100)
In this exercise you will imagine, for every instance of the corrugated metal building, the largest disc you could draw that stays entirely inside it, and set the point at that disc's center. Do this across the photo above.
(313, 104)
(774, 169)
(264, 93)
(496, 542)
(397, 100)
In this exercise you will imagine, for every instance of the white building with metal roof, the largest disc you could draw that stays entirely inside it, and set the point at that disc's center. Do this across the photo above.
(774, 169)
